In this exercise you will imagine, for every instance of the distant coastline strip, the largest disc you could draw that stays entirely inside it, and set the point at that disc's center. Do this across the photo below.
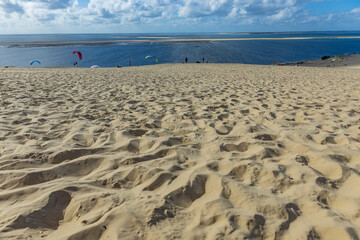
(155, 40)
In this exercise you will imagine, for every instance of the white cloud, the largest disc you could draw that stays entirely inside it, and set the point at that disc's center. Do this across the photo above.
(196, 8)
(129, 11)
(49, 4)
(172, 13)
(264, 7)
(356, 10)
(286, 14)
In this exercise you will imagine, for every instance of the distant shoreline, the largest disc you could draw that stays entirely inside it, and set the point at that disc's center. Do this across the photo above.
(347, 60)
(153, 40)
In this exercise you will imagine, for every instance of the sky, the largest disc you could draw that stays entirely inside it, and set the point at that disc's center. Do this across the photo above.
(167, 16)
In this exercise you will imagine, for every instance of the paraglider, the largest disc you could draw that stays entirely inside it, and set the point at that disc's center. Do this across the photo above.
(95, 66)
(79, 54)
(35, 61)
(335, 59)
(277, 63)
(149, 56)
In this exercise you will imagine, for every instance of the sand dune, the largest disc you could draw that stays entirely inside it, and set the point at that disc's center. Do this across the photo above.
(175, 151)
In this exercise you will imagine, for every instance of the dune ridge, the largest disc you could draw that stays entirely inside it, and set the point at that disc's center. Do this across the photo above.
(180, 151)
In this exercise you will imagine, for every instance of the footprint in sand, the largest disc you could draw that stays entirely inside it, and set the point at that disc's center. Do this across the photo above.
(293, 211)
(241, 147)
(140, 145)
(221, 128)
(256, 227)
(48, 216)
(166, 211)
(186, 195)
(266, 137)
(135, 132)
(62, 156)
(158, 181)
(302, 159)
(157, 155)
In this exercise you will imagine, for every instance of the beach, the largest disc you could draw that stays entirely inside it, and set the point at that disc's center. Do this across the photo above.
(180, 151)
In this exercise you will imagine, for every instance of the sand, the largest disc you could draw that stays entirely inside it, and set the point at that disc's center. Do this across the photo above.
(180, 151)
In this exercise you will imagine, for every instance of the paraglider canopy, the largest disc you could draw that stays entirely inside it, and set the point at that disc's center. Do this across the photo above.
(79, 53)
(35, 61)
(149, 56)
(277, 63)
(95, 66)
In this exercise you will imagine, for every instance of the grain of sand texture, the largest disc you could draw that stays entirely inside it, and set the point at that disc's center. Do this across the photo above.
(180, 151)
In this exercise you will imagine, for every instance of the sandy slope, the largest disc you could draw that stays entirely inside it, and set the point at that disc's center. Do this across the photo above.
(196, 151)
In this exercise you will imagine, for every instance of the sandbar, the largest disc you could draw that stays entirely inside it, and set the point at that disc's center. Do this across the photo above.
(156, 40)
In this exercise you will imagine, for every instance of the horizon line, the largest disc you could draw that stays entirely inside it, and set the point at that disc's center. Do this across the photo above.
(181, 32)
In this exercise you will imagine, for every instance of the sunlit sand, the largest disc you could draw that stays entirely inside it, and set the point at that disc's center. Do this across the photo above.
(180, 151)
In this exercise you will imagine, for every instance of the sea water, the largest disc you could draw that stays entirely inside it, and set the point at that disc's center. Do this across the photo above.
(237, 51)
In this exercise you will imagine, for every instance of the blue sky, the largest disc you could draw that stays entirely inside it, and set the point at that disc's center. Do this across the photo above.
(116, 16)
(321, 7)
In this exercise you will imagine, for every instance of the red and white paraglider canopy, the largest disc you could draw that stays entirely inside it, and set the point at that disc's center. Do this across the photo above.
(79, 53)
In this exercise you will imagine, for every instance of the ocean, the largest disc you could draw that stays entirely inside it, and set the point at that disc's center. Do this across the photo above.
(118, 49)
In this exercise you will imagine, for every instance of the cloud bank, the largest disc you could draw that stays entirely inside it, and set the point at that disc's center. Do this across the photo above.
(165, 15)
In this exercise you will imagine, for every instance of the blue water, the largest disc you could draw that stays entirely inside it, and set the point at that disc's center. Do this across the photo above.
(249, 52)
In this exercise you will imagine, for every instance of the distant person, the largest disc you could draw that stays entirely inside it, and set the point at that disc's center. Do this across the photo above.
(203, 60)
(75, 63)
(129, 63)
(186, 59)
